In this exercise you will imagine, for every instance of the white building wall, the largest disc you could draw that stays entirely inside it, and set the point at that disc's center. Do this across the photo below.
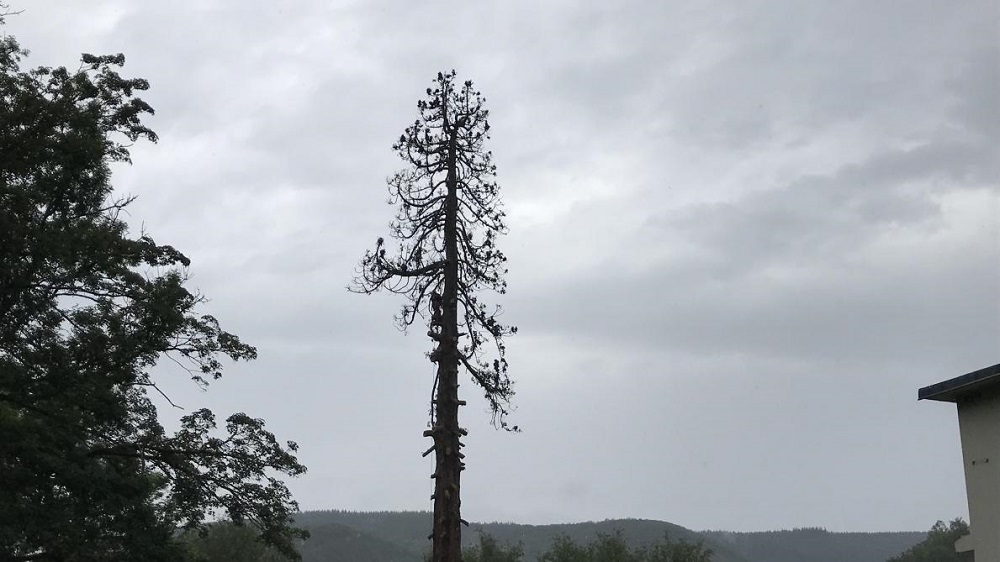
(979, 424)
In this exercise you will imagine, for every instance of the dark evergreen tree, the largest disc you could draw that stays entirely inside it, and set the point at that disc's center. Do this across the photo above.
(939, 545)
(669, 550)
(226, 542)
(490, 549)
(612, 547)
(565, 550)
(87, 472)
(448, 221)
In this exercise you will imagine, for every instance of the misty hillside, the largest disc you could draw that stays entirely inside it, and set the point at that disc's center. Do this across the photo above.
(386, 536)
(409, 531)
(815, 545)
(332, 541)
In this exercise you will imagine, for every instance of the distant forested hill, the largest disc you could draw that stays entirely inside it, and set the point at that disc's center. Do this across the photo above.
(408, 531)
(816, 545)
(405, 530)
(386, 536)
(340, 543)
(637, 532)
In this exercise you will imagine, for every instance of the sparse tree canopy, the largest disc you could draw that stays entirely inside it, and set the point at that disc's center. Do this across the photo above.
(446, 228)
(87, 472)
(449, 201)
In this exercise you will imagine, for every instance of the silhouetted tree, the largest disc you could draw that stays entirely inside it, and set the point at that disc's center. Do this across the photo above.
(489, 549)
(612, 547)
(87, 472)
(225, 542)
(446, 227)
(563, 549)
(668, 550)
(939, 546)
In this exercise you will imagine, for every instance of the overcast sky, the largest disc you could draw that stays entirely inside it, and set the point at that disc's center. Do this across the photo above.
(742, 235)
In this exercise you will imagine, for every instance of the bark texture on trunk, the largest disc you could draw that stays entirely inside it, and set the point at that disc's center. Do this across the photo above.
(447, 536)
(447, 539)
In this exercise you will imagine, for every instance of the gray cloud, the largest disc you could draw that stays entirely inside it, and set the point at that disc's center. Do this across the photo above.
(742, 235)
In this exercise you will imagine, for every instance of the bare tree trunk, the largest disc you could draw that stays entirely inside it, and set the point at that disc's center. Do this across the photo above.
(447, 541)
(447, 229)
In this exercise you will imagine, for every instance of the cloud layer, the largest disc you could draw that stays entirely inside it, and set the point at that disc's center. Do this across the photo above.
(742, 236)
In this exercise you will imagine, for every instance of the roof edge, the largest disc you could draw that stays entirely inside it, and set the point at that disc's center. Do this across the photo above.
(953, 389)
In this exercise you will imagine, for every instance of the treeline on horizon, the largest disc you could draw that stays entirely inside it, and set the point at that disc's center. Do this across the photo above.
(408, 531)
(376, 513)
(807, 530)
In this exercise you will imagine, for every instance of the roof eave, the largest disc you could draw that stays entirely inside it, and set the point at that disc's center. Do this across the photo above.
(955, 389)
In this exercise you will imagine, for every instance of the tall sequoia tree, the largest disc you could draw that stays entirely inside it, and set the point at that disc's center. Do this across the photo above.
(87, 472)
(446, 227)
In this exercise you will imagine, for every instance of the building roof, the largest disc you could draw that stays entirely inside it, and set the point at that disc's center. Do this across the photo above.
(959, 387)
